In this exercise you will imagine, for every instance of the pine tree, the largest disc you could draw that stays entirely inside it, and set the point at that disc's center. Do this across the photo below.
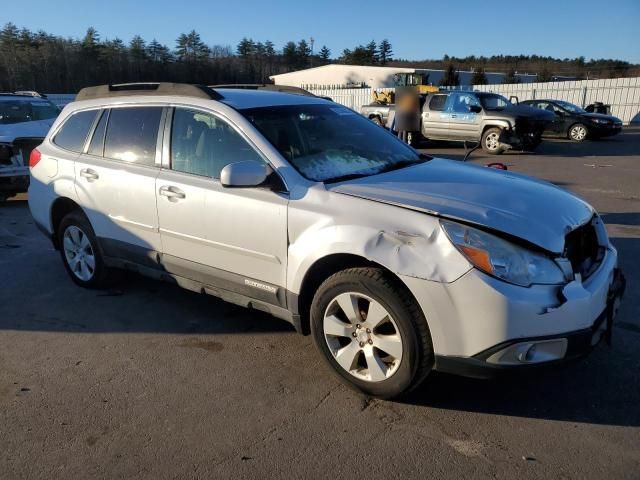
(289, 54)
(385, 53)
(372, 53)
(324, 54)
(303, 51)
(245, 48)
(269, 49)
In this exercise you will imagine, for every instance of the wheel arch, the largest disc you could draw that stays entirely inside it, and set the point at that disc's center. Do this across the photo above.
(322, 269)
(493, 124)
(61, 207)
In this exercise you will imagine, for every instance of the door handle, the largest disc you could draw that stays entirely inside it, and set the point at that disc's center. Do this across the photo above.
(171, 192)
(454, 116)
(89, 174)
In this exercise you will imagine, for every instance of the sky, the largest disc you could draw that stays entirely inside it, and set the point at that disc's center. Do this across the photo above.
(422, 29)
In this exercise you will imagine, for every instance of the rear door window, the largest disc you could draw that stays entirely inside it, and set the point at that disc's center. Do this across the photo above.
(437, 102)
(132, 134)
(74, 131)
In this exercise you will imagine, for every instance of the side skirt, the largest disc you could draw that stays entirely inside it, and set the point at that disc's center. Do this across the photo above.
(230, 287)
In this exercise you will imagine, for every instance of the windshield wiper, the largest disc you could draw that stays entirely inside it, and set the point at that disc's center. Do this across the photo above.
(403, 164)
(349, 176)
(395, 166)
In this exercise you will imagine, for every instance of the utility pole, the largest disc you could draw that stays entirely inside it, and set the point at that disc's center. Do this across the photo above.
(311, 40)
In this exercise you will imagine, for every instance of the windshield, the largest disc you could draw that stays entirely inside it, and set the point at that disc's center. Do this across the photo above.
(493, 101)
(570, 106)
(17, 110)
(329, 143)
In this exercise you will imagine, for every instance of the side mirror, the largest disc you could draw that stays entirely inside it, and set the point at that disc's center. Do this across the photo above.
(249, 173)
(475, 108)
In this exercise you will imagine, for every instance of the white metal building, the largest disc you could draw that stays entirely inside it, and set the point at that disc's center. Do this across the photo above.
(376, 77)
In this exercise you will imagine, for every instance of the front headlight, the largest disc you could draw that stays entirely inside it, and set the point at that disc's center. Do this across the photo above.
(501, 258)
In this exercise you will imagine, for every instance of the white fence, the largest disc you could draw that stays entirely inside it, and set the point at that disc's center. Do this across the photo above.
(623, 94)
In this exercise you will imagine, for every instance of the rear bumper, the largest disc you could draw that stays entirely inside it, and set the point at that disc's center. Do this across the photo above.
(579, 343)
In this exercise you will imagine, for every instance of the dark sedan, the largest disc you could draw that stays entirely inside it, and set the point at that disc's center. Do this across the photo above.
(576, 123)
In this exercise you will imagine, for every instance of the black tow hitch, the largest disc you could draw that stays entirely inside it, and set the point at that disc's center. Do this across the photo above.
(616, 292)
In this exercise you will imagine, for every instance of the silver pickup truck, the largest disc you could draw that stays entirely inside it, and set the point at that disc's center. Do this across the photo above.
(482, 117)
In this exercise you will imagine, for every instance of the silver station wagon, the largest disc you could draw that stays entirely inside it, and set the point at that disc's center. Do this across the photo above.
(397, 263)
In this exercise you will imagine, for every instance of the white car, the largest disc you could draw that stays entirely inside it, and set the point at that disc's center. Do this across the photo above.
(25, 119)
(397, 263)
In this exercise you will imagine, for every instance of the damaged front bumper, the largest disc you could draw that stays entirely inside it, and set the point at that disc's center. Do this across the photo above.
(538, 353)
(485, 326)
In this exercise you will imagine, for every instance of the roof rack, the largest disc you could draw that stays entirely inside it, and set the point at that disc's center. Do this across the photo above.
(149, 88)
(266, 86)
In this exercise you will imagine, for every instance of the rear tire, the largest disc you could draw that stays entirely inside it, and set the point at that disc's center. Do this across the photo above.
(81, 253)
(578, 132)
(491, 141)
(382, 352)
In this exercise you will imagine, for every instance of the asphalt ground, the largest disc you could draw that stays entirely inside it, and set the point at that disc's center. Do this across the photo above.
(151, 381)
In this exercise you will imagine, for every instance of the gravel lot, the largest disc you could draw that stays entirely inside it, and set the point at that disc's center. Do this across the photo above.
(151, 381)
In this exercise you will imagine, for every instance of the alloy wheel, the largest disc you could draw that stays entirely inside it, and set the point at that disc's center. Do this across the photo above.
(79, 253)
(578, 133)
(362, 337)
(492, 141)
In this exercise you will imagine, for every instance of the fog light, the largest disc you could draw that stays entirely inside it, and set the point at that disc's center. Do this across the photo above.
(530, 352)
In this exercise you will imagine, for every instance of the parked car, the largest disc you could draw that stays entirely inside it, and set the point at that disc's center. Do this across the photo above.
(396, 262)
(482, 117)
(25, 119)
(576, 123)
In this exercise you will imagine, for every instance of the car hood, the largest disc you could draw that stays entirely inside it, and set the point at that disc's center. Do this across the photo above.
(515, 204)
(38, 129)
(515, 111)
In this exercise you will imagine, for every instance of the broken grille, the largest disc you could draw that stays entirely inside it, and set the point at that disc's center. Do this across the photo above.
(583, 250)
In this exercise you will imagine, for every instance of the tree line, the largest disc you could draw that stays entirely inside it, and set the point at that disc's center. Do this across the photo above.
(55, 64)
(547, 68)
(49, 63)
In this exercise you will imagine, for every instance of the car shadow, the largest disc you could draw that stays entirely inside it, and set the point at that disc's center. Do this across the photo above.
(602, 389)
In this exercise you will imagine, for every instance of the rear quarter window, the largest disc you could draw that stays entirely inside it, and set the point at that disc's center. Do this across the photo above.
(74, 131)
(437, 102)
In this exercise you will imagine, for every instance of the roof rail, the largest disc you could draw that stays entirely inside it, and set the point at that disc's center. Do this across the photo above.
(266, 86)
(149, 88)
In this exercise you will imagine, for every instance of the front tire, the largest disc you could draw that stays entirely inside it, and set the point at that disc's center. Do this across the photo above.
(371, 331)
(578, 132)
(491, 141)
(81, 253)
